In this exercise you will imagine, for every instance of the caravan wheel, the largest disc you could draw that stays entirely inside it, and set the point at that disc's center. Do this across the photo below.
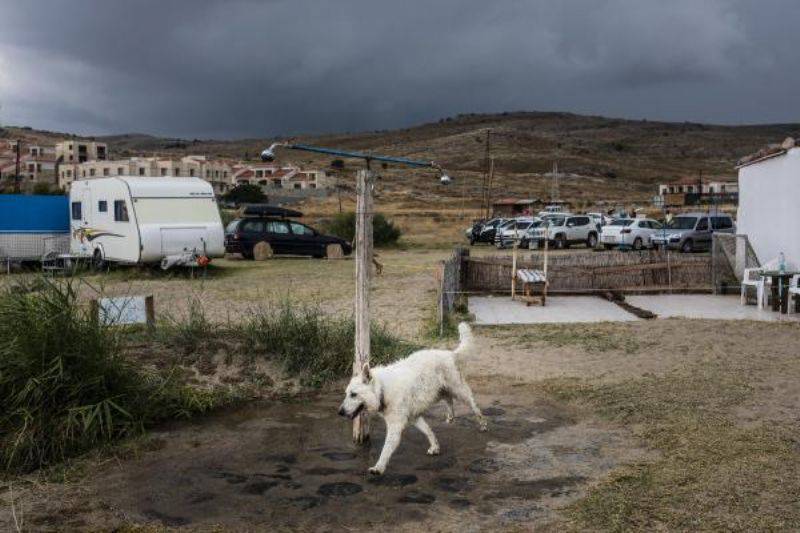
(98, 263)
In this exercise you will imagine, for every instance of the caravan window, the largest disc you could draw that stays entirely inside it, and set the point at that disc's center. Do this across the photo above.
(120, 211)
(102, 206)
(76, 211)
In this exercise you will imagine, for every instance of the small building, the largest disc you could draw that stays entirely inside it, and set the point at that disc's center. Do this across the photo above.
(80, 151)
(769, 202)
(697, 191)
(516, 207)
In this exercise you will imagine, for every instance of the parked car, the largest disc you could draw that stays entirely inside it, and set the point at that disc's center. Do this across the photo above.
(285, 236)
(563, 231)
(473, 232)
(512, 231)
(488, 231)
(633, 232)
(690, 232)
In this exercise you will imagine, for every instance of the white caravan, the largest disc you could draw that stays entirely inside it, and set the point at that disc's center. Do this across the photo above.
(133, 220)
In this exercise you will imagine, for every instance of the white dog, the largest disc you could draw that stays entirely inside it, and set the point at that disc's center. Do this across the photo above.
(403, 391)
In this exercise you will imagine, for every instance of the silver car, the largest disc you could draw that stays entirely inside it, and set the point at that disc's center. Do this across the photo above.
(690, 232)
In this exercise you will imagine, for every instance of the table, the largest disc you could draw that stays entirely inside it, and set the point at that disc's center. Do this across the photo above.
(533, 280)
(780, 288)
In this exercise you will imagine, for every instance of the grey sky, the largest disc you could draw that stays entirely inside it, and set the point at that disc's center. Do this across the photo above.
(236, 68)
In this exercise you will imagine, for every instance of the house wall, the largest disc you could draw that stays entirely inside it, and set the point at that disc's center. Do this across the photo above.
(769, 210)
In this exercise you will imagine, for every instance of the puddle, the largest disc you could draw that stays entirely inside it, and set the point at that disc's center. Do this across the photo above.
(285, 466)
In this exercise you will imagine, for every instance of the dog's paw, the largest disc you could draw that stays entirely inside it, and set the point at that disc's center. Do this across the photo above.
(483, 426)
(449, 419)
(375, 471)
(433, 450)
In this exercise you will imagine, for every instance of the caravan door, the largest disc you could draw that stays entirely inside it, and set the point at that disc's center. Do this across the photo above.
(80, 217)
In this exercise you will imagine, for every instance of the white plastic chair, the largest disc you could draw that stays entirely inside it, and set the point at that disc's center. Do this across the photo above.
(794, 290)
(753, 278)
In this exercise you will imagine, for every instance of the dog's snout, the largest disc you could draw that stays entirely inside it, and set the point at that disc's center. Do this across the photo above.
(341, 411)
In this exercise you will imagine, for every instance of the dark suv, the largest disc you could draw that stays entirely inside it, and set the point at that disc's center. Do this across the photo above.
(284, 236)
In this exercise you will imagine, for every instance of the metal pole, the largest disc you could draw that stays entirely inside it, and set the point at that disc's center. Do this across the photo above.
(513, 262)
(364, 182)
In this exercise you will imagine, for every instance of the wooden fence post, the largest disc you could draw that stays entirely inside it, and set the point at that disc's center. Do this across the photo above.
(364, 182)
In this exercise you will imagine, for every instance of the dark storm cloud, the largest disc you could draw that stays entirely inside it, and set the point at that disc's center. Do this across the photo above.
(199, 68)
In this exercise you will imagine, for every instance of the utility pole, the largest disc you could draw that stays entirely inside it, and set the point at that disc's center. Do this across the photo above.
(16, 170)
(554, 190)
(365, 181)
(364, 184)
(486, 174)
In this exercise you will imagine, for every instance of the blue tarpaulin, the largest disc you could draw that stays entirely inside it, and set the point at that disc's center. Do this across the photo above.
(21, 213)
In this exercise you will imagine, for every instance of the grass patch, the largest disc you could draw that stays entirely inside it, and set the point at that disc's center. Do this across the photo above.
(64, 385)
(712, 474)
(314, 345)
(591, 337)
(310, 344)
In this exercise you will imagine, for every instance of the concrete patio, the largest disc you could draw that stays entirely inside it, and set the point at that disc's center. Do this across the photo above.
(495, 310)
(498, 310)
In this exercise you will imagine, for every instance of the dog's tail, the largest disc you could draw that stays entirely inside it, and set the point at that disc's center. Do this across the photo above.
(466, 341)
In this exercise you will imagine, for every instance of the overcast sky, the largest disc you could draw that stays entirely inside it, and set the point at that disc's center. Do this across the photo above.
(238, 68)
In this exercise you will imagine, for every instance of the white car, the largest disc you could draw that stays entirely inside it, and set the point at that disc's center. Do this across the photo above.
(512, 231)
(564, 230)
(633, 232)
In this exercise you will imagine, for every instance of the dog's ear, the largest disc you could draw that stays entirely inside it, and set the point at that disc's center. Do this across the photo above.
(366, 375)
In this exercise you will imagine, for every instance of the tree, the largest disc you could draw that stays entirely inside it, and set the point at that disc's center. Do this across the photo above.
(384, 232)
(246, 194)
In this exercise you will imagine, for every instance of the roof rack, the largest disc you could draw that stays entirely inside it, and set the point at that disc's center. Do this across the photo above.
(264, 210)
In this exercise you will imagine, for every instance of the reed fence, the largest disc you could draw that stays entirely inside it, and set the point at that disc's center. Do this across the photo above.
(632, 271)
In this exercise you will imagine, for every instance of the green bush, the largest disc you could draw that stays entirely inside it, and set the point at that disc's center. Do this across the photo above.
(65, 386)
(384, 232)
(246, 194)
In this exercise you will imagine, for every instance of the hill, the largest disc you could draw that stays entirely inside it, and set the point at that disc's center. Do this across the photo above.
(600, 158)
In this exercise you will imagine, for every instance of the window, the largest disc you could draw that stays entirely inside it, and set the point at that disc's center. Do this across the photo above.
(277, 183)
(106, 172)
(297, 186)
(38, 167)
(259, 173)
(312, 185)
(76, 211)
(120, 171)
(83, 173)
(702, 225)
(163, 171)
(120, 211)
(69, 173)
(208, 173)
(721, 223)
(91, 172)
(191, 172)
(141, 171)
(300, 229)
(102, 206)
(277, 226)
(253, 226)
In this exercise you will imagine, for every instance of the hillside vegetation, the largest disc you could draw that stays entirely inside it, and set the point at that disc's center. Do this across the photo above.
(601, 158)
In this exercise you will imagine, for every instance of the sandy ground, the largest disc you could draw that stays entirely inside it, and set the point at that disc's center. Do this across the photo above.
(291, 465)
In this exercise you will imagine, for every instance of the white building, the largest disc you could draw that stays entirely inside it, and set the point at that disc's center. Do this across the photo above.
(769, 203)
